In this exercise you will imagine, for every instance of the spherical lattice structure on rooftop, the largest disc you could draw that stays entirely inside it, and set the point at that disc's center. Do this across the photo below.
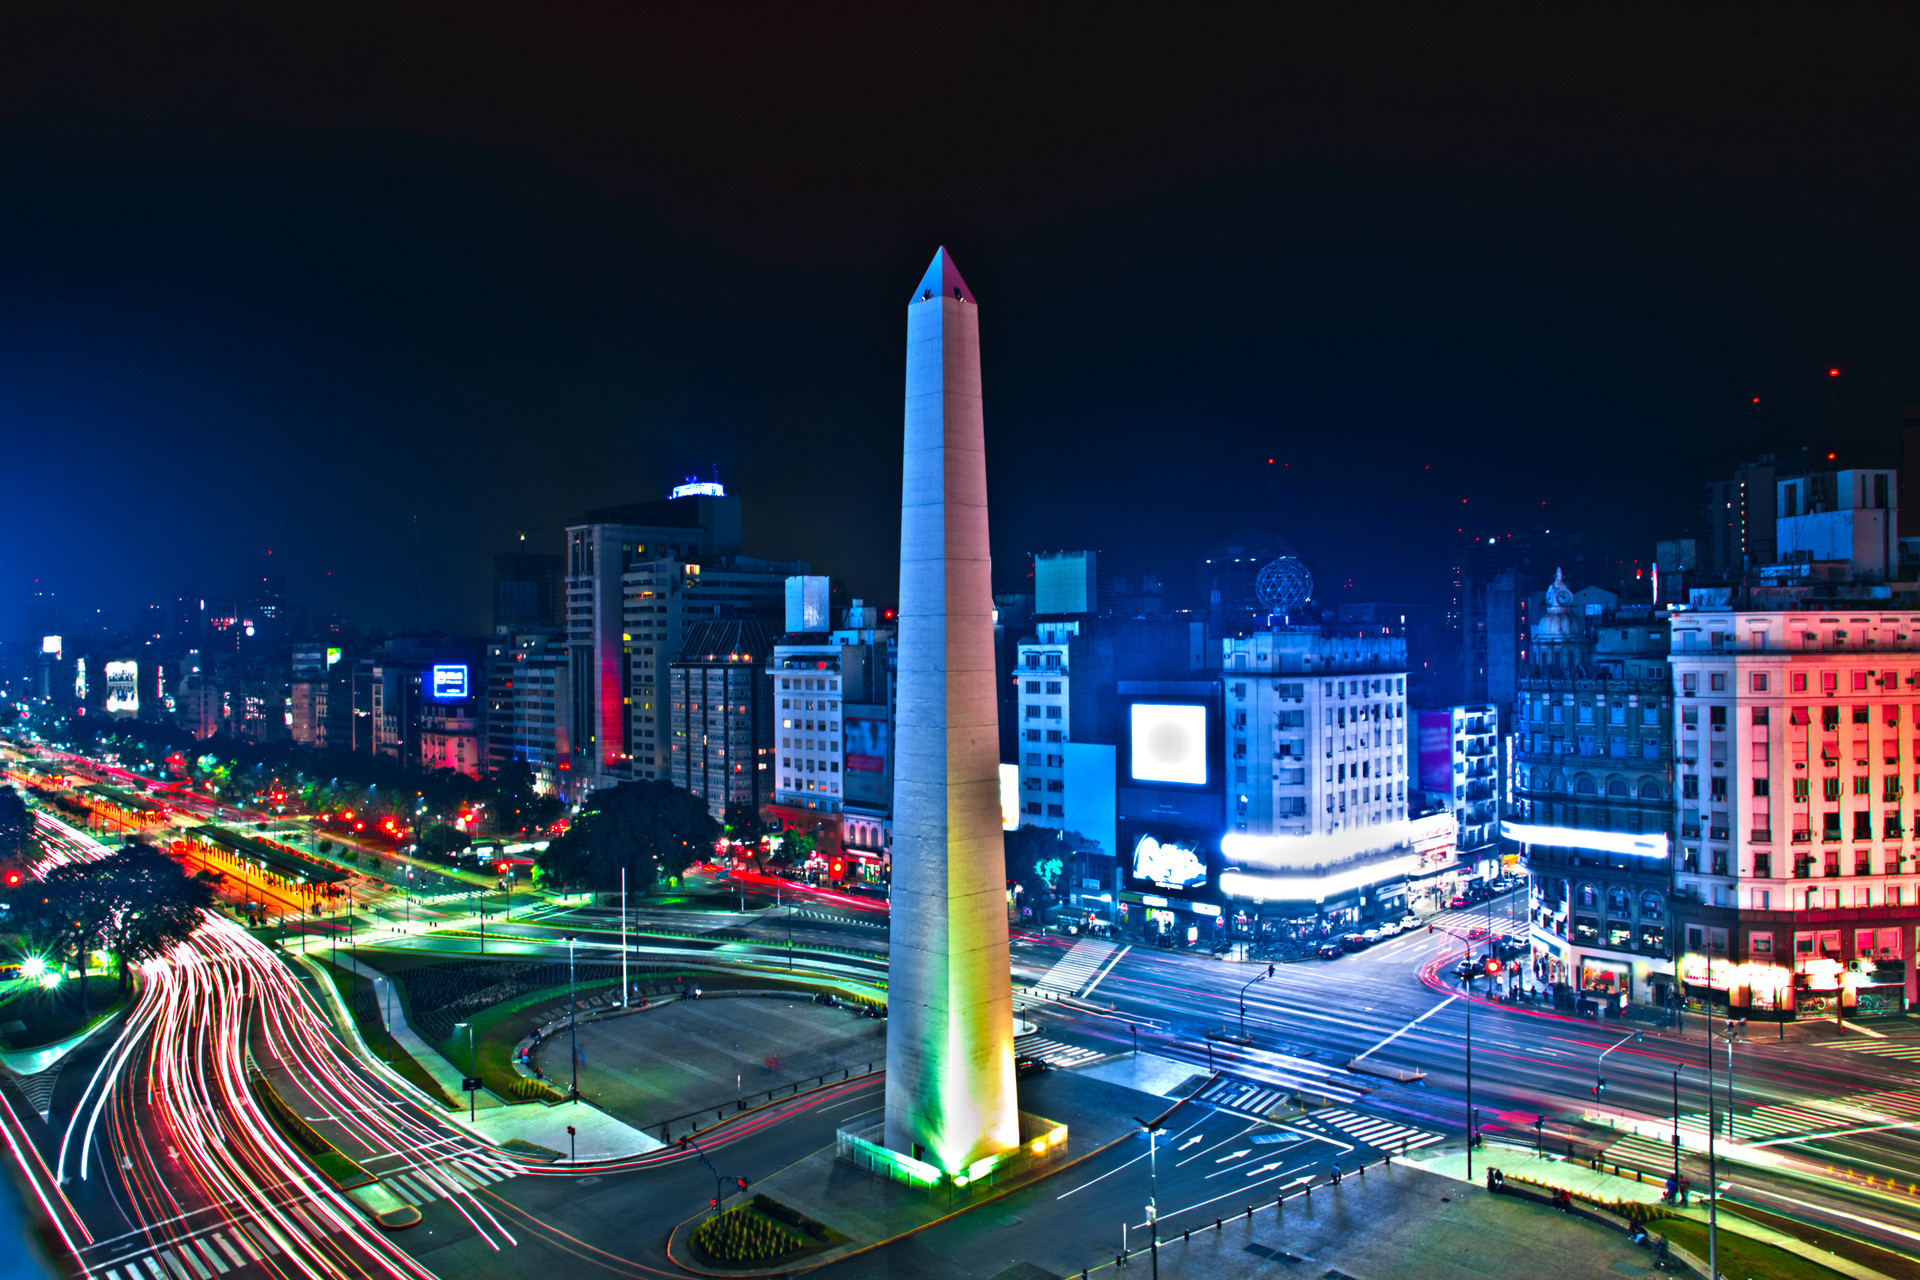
(1283, 585)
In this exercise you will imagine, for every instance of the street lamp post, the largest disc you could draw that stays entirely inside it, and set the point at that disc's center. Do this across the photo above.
(573, 1019)
(1244, 1039)
(1676, 1125)
(1599, 1066)
(1153, 1194)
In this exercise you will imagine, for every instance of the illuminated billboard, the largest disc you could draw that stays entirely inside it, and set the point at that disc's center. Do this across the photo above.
(449, 682)
(1009, 796)
(1168, 864)
(333, 656)
(1435, 760)
(123, 688)
(865, 777)
(1168, 743)
(50, 644)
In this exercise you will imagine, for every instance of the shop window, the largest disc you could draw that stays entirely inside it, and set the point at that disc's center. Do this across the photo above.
(1586, 930)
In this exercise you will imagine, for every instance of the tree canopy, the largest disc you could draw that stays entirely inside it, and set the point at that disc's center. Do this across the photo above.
(133, 903)
(650, 828)
(16, 824)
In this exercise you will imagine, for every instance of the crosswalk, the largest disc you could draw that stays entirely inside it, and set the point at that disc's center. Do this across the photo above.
(208, 1253)
(1075, 970)
(1054, 1051)
(1637, 1152)
(1375, 1132)
(1903, 1050)
(1242, 1097)
(1785, 1120)
(425, 1183)
(216, 1251)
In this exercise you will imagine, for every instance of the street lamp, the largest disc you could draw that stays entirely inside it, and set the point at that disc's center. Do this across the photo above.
(1153, 1192)
(1261, 977)
(573, 1019)
(1599, 1066)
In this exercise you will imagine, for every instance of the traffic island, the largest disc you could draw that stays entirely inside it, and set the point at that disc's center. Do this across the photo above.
(865, 1207)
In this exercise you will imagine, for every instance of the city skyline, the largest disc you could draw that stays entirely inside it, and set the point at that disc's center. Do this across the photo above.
(1398, 288)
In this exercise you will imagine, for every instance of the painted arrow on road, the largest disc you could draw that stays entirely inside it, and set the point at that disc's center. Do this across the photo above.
(1265, 1168)
(1189, 1142)
(1235, 1156)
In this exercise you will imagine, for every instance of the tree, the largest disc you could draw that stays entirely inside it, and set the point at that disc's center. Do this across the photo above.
(1037, 857)
(159, 905)
(134, 903)
(16, 825)
(649, 828)
(442, 841)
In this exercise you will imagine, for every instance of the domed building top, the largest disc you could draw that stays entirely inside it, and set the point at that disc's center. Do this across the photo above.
(1559, 622)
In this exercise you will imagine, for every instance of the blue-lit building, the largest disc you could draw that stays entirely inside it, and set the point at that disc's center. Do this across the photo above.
(1594, 801)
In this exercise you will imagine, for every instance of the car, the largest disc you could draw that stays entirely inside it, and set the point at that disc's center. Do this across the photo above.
(1409, 921)
(1329, 951)
(1355, 942)
(1372, 936)
(1457, 901)
(1390, 928)
(1027, 1065)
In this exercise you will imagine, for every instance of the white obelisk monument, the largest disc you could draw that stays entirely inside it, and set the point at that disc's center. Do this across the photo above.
(950, 1081)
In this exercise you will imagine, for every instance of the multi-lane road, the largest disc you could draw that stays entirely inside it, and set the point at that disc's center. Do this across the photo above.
(151, 1152)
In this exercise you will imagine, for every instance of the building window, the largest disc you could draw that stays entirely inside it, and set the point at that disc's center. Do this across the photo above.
(1799, 680)
(1760, 680)
(1717, 682)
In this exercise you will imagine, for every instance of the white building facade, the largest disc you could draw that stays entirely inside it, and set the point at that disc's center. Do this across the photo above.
(1798, 739)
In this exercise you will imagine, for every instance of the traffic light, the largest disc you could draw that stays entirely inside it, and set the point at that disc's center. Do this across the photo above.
(713, 1202)
(13, 879)
(1598, 1085)
(1493, 964)
(740, 1183)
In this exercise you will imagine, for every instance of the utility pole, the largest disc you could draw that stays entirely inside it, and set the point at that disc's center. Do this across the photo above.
(1153, 1194)
(623, 938)
(573, 1020)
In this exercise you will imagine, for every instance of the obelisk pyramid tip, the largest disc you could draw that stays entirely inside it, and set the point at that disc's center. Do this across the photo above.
(942, 280)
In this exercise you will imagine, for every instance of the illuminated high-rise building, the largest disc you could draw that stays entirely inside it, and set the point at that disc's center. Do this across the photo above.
(950, 1079)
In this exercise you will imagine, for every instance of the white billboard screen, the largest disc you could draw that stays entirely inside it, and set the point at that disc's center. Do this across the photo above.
(1168, 864)
(1169, 743)
(50, 644)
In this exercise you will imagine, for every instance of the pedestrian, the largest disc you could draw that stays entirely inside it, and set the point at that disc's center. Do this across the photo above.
(1673, 1190)
(1686, 1187)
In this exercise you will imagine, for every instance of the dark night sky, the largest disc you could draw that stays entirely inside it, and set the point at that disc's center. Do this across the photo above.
(287, 287)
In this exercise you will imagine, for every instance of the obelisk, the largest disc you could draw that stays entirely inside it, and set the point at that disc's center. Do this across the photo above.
(950, 1081)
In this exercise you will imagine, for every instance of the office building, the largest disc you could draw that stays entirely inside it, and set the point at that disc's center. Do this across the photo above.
(1593, 802)
(529, 590)
(1737, 520)
(720, 715)
(1066, 582)
(528, 703)
(637, 577)
(1458, 759)
(1840, 517)
(1797, 889)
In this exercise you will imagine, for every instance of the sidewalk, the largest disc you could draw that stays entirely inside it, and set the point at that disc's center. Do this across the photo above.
(596, 1136)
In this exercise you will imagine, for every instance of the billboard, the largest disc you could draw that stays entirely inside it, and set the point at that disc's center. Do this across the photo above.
(50, 644)
(449, 682)
(1009, 796)
(1167, 742)
(1436, 752)
(865, 768)
(333, 656)
(1168, 863)
(123, 687)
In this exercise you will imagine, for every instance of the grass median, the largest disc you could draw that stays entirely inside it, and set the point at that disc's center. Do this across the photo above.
(362, 1002)
(1741, 1255)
